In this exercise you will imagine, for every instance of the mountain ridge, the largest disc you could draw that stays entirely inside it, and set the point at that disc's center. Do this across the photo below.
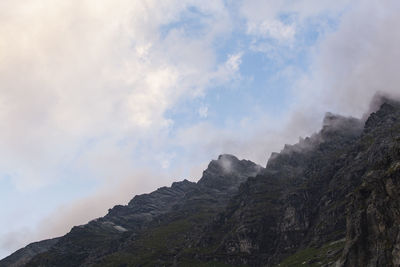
(332, 199)
(222, 177)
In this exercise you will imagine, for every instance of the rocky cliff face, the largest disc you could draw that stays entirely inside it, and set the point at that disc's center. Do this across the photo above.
(333, 199)
(373, 209)
(296, 202)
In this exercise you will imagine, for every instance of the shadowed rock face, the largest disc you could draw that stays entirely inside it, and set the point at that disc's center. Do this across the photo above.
(373, 210)
(294, 203)
(331, 199)
(340, 183)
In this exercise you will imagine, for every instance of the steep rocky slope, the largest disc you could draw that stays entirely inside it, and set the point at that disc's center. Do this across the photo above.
(125, 226)
(373, 209)
(295, 203)
(24, 255)
(339, 188)
(330, 200)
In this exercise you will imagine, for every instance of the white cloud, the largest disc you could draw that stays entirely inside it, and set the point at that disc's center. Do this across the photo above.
(234, 61)
(203, 111)
(281, 20)
(98, 70)
(228, 71)
(274, 29)
(85, 85)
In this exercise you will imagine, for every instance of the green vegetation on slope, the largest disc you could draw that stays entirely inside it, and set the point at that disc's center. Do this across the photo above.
(311, 257)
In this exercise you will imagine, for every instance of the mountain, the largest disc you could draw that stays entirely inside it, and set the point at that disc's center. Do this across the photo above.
(185, 204)
(332, 199)
(24, 255)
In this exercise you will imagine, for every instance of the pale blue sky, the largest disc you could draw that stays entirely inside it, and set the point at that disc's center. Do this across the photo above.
(102, 100)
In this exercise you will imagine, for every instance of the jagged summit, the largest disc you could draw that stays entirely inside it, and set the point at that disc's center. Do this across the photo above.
(336, 131)
(227, 172)
(379, 99)
(228, 156)
(337, 124)
(386, 114)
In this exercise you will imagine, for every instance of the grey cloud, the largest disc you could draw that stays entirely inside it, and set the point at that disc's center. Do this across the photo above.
(358, 60)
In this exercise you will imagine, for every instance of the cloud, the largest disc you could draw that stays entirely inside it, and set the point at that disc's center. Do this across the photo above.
(348, 68)
(96, 72)
(203, 111)
(354, 63)
(252, 138)
(259, 10)
(233, 62)
(85, 86)
(274, 29)
(281, 20)
(14, 240)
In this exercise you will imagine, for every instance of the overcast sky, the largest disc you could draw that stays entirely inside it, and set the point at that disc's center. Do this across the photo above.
(104, 99)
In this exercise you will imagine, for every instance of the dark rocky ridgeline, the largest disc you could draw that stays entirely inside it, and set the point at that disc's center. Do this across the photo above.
(151, 227)
(296, 203)
(330, 200)
(24, 255)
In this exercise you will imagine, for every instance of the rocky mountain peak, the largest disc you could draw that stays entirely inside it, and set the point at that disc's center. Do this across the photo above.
(379, 99)
(336, 130)
(334, 124)
(228, 171)
(387, 113)
(225, 164)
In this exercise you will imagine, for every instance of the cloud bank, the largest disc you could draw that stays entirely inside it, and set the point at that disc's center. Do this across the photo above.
(82, 74)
